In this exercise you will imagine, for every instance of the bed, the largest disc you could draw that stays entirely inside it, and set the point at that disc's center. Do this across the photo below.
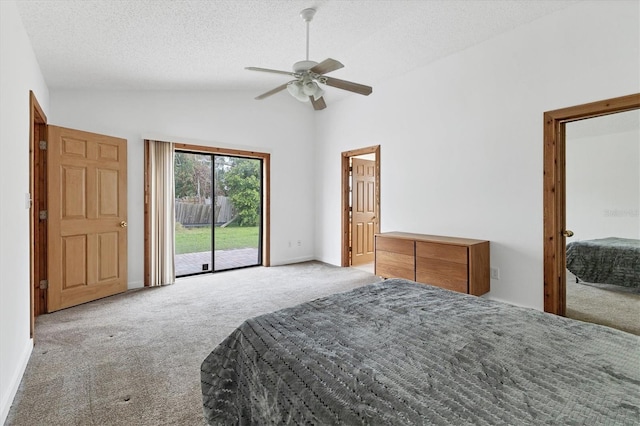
(398, 352)
(606, 261)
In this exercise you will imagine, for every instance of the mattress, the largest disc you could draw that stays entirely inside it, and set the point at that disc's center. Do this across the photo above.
(606, 261)
(398, 352)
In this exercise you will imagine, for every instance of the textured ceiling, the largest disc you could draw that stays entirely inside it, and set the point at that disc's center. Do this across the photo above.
(200, 45)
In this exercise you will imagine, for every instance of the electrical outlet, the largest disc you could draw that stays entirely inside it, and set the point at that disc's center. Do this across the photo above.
(299, 243)
(495, 273)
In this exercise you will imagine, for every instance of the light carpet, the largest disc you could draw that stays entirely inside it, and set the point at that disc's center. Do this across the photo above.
(134, 358)
(617, 308)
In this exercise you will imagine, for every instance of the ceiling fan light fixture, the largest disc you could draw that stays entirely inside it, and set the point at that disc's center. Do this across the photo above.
(296, 90)
(310, 88)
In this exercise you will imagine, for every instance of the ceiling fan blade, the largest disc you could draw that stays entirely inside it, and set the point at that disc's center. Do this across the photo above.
(271, 71)
(318, 104)
(348, 85)
(272, 91)
(326, 66)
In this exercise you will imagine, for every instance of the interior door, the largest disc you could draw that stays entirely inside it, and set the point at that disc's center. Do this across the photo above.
(363, 219)
(87, 214)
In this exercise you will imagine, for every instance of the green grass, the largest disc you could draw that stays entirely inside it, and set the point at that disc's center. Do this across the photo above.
(194, 240)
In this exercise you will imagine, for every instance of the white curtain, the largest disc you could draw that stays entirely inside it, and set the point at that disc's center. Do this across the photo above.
(161, 213)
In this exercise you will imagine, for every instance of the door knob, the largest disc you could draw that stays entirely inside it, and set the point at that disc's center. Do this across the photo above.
(567, 233)
(123, 224)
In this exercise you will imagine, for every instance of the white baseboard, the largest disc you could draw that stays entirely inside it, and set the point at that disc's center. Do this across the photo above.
(7, 399)
(293, 260)
(134, 284)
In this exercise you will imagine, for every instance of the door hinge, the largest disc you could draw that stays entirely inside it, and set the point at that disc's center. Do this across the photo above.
(44, 284)
(44, 214)
(43, 145)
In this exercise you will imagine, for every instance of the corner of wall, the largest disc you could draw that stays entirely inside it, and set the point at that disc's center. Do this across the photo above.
(14, 383)
(19, 74)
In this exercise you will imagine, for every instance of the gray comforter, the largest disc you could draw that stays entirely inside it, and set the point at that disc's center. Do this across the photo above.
(606, 261)
(398, 352)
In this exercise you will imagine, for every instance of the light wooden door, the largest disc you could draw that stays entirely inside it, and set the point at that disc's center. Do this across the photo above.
(87, 214)
(364, 215)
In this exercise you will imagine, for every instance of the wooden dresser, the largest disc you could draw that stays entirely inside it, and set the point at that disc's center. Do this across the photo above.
(459, 264)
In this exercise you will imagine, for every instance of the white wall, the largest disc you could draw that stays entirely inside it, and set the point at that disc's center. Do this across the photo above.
(278, 125)
(461, 148)
(603, 185)
(19, 73)
(462, 139)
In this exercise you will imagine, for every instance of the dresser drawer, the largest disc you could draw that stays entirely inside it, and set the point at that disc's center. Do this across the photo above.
(442, 273)
(448, 252)
(395, 245)
(395, 265)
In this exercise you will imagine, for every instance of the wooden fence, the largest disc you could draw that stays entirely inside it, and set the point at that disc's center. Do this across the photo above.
(191, 214)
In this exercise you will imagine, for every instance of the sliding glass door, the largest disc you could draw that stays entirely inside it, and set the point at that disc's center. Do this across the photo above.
(218, 212)
(238, 214)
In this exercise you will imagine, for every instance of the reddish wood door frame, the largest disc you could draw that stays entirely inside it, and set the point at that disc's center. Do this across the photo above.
(37, 190)
(554, 191)
(346, 225)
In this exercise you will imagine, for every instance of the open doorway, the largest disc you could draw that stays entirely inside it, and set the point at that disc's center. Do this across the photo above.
(360, 206)
(555, 214)
(602, 171)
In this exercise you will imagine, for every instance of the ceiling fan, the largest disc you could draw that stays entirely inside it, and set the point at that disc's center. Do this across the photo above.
(304, 87)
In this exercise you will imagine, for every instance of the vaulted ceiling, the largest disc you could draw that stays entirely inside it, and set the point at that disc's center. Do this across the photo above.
(205, 45)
